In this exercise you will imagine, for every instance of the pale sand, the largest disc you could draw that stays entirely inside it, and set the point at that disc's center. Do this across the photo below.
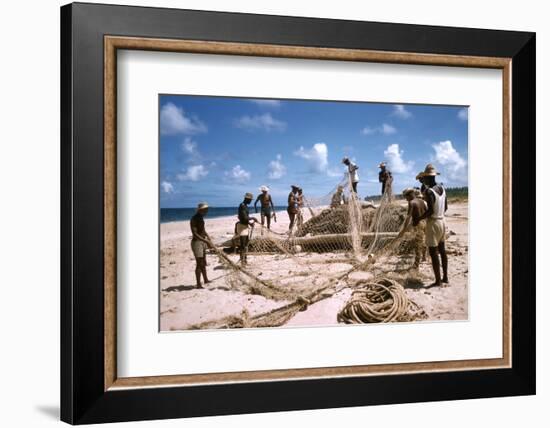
(182, 305)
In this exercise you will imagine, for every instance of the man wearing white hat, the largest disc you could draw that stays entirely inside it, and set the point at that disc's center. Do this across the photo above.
(267, 210)
(200, 242)
(436, 199)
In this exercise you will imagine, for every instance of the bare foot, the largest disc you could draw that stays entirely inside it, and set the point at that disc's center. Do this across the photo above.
(435, 284)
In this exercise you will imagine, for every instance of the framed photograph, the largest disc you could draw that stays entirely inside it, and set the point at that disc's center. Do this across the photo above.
(266, 213)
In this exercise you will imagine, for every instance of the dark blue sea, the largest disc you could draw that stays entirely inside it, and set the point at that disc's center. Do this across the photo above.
(168, 215)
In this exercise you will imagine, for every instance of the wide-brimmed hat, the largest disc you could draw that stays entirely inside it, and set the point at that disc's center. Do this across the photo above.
(419, 175)
(430, 171)
(248, 195)
(408, 191)
(202, 206)
(381, 164)
(264, 189)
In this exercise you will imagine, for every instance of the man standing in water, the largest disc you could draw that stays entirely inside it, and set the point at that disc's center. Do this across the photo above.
(353, 175)
(243, 226)
(385, 177)
(417, 207)
(436, 199)
(200, 242)
(266, 206)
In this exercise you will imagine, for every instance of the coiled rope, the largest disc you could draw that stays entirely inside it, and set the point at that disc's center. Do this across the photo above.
(379, 302)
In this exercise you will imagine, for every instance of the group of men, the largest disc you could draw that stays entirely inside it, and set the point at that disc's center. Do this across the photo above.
(429, 204)
(384, 176)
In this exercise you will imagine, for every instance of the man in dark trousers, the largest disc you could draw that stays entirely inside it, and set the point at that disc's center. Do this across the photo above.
(436, 198)
(200, 242)
(385, 177)
(243, 226)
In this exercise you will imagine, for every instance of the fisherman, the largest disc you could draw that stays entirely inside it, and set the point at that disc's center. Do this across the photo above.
(243, 227)
(267, 210)
(385, 177)
(200, 242)
(338, 197)
(353, 175)
(300, 204)
(292, 208)
(436, 199)
(417, 207)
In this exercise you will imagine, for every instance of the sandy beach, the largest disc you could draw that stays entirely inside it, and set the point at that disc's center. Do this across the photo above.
(183, 306)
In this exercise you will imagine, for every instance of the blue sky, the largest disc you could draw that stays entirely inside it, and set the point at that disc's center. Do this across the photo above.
(215, 149)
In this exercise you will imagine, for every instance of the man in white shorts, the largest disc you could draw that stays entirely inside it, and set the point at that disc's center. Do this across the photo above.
(436, 198)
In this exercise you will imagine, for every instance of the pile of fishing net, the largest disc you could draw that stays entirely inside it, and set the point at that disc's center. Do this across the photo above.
(295, 270)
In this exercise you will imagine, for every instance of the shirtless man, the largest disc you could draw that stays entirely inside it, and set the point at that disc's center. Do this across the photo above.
(267, 210)
(200, 242)
(338, 197)
(417, 207)
(292, 208)
(436, 199)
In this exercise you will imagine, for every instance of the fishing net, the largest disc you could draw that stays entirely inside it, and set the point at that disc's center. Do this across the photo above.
(337, 229)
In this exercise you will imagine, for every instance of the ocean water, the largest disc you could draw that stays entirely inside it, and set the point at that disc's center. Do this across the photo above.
(168, 215)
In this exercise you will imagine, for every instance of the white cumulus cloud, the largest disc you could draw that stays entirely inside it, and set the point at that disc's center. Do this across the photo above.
(385, 129)
(260, 122)
(316, 156)
(453, 164)
(267, 103)
(193, 173)
(173, 121)
(401, 112)
(276, 168)
(238, 175)
(463, 113)
(167, 187)
(395, 160)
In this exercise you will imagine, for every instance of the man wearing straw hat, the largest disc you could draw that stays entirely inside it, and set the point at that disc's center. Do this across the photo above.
(243, 226)
(267, 210)
(200, 242)
(436, 199)
(417, 207)
(385, 177)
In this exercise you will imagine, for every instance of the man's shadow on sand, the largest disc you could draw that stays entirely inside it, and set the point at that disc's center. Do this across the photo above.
(180, 288)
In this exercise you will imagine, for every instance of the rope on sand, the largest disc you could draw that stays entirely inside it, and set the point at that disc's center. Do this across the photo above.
(379, 302)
